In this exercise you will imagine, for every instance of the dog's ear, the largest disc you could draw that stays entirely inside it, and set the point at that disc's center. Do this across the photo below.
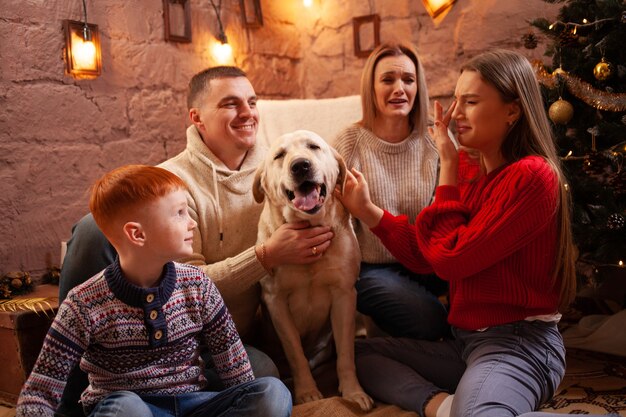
(343, 169)
(257, 187)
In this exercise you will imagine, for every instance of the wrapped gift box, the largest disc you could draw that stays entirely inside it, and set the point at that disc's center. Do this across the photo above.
(21, 336)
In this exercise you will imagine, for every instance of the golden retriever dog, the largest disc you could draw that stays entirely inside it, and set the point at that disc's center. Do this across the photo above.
(305, 302)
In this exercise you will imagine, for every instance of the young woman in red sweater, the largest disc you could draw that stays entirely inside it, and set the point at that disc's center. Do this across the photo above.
(499, 233)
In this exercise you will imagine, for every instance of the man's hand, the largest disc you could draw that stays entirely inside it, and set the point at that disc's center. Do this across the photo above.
(296, 243)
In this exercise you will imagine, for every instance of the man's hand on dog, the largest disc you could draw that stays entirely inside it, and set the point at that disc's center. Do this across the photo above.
(297, 243)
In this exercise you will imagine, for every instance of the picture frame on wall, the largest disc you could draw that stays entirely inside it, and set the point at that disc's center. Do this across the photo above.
(251, 13)
(177, 19)
(366, 34)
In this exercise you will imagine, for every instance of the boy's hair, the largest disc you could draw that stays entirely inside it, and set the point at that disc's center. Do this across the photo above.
(126, 188)
(199, 83)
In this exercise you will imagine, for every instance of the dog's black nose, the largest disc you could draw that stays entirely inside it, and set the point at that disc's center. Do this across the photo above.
(300, 168)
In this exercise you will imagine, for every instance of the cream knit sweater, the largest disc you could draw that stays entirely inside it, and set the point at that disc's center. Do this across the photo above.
(227, 230)
(401, 177)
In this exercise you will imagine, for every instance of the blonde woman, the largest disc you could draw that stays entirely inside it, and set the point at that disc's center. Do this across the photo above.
(498, 231)
(392, 147)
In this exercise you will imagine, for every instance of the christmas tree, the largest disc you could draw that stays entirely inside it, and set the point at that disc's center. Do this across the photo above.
(585, 93)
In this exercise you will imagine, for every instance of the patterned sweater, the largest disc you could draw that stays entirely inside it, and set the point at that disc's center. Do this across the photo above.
(493, 238)
(145, 340)
(401, 177)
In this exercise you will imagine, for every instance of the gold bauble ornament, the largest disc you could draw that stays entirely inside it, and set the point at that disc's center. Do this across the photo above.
(561, 112)
(602, 71)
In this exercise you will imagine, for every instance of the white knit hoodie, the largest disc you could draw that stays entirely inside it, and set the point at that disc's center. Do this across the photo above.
(224, 240)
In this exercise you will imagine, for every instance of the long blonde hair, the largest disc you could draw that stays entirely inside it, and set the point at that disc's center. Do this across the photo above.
(418, 117)
(513, 76)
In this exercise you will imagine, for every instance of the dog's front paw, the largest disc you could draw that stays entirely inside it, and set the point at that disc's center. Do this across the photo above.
(360, 398)
(307, 395)
(351, 391)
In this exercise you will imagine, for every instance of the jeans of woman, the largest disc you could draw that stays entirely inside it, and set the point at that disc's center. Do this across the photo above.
(263, 397)
(402, 303)
(504, 371)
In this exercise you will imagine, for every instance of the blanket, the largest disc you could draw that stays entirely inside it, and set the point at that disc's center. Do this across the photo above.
(325, 116)
(338, 407)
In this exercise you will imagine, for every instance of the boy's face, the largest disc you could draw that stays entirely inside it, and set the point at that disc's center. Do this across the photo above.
(168, 227)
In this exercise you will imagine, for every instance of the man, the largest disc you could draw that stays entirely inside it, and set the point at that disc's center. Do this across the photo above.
(218, 166)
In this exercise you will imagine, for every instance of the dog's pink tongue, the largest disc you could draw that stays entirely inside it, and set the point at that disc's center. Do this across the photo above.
(306, 202)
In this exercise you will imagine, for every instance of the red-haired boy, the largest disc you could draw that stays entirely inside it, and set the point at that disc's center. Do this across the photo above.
(136, 327)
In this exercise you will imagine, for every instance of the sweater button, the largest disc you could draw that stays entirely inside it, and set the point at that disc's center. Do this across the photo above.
(153, 315)
(150, 298)
(158, 335)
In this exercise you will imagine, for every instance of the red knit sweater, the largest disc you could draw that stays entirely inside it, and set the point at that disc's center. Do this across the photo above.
(493, 238)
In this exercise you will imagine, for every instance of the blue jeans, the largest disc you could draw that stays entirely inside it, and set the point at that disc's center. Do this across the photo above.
(504, 371)
(402, 303)
(263, 397)
(262, 366)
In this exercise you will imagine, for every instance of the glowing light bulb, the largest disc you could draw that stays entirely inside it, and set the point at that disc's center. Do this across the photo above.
(222, 52)
(585, 21)
(85, 56)
(83, 53)
(307, 3)
(621, 263)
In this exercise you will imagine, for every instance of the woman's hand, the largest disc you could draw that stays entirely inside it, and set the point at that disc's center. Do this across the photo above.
(448, 154)
(356, 198)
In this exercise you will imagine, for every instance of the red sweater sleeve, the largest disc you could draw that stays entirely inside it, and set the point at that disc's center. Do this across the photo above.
(494, 239)
(460, 237)
(398, 236)
(457, 239)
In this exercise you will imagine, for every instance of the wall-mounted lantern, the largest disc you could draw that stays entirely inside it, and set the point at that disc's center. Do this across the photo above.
(222, 51)
(438, 9)
(82, 48)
